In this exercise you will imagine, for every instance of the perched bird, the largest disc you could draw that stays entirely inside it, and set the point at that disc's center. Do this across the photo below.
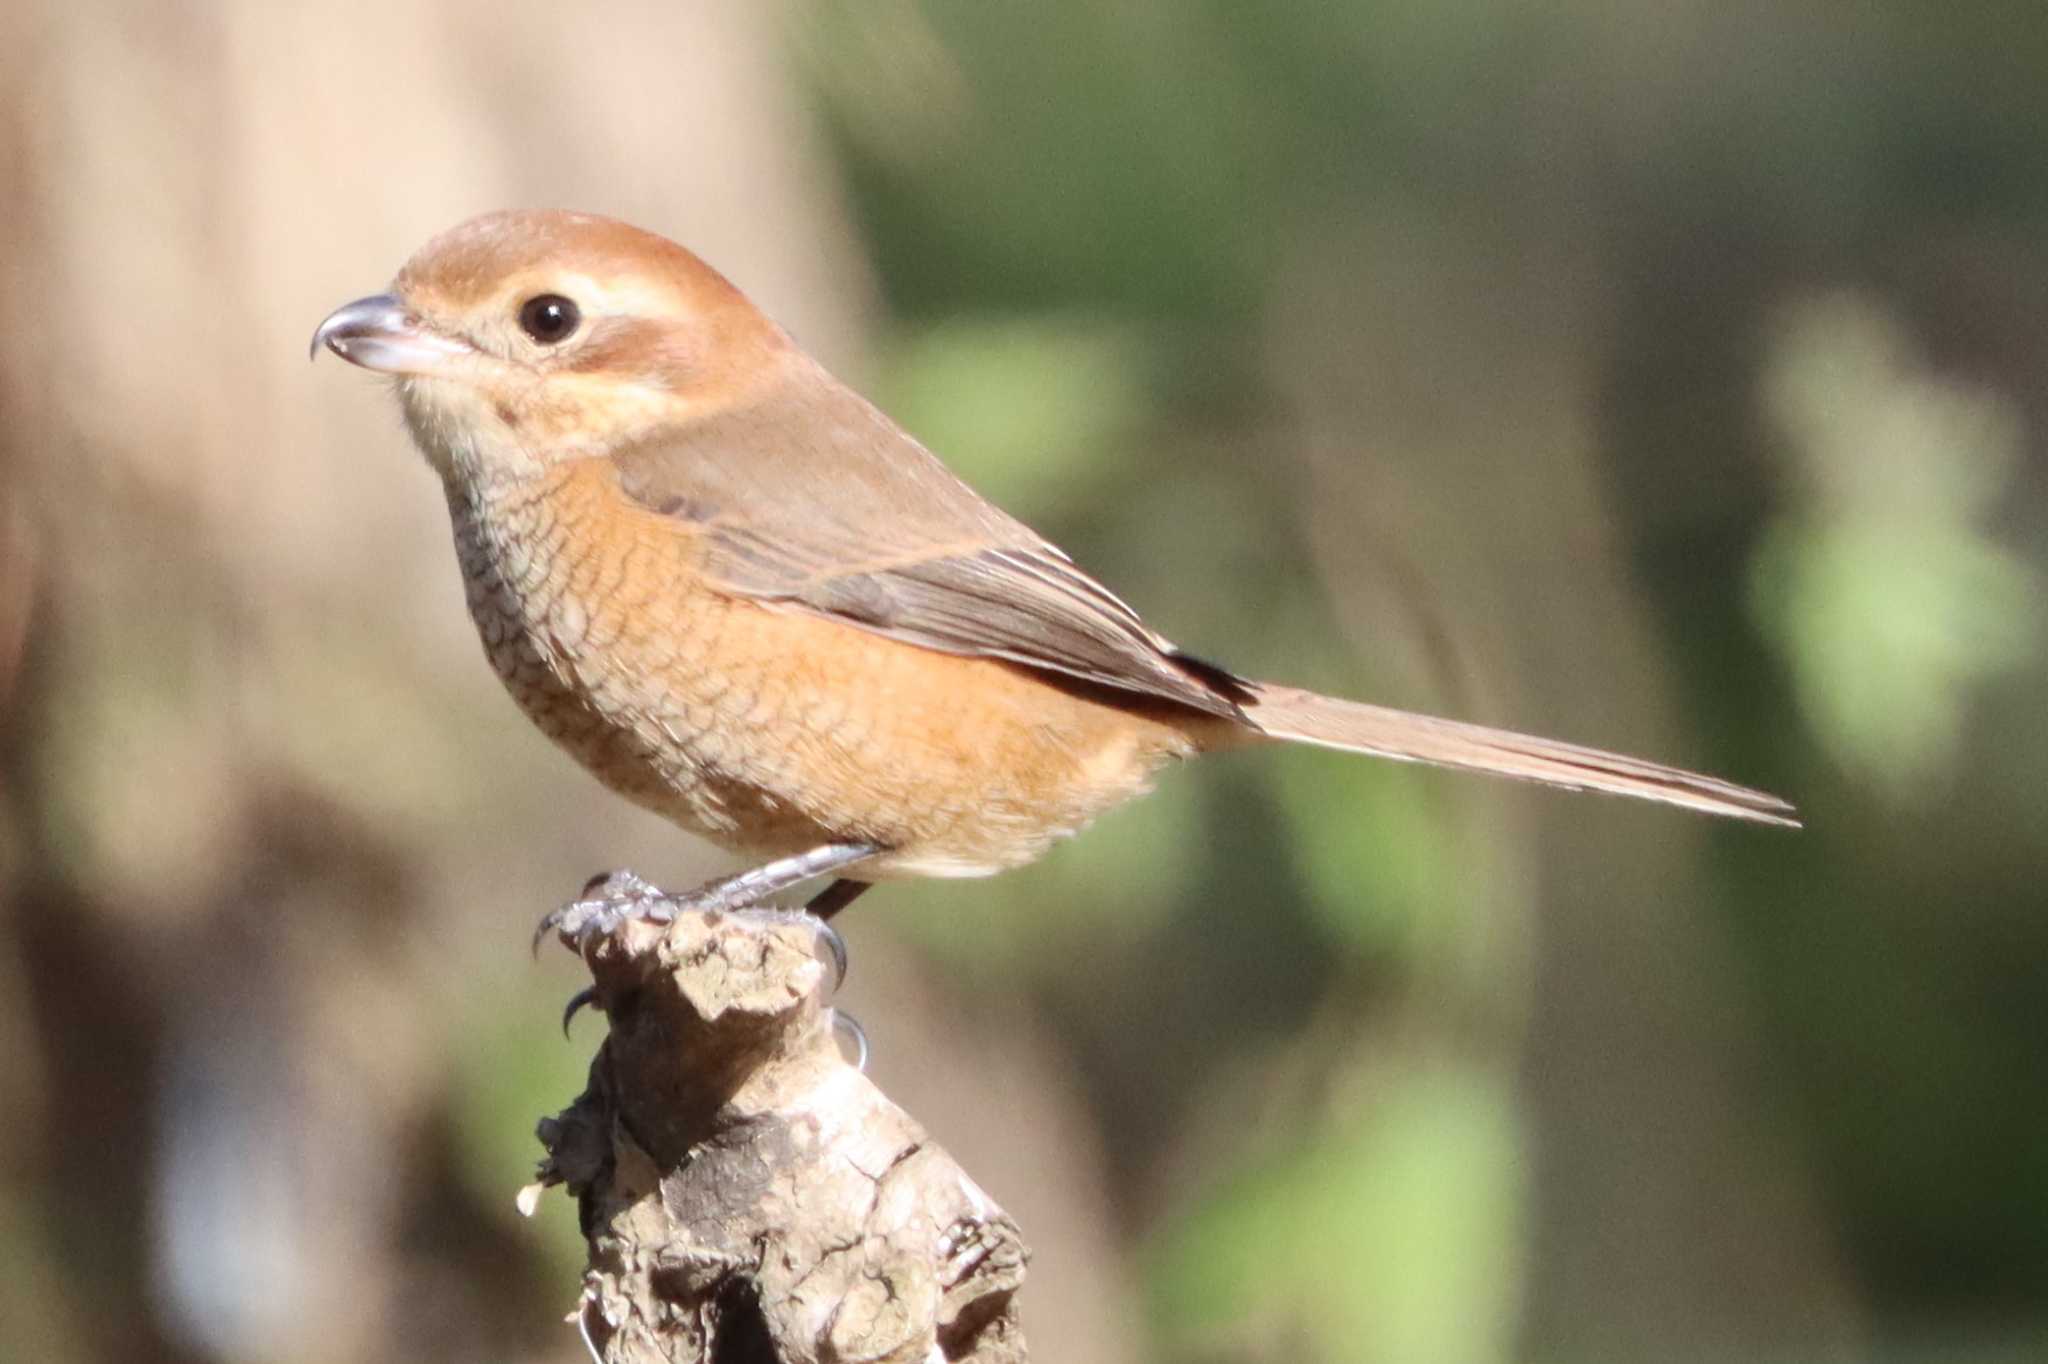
(747, 600)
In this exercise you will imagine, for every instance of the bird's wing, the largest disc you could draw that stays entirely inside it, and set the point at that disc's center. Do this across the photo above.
(810, 498)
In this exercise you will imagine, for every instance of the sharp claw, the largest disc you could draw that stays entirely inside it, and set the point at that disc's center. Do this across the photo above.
(847, 1026)
(583, 1329)
(836, 945)
(582, 911)
(586, 995)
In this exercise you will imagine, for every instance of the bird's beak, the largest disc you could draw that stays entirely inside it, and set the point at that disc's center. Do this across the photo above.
(379, 333)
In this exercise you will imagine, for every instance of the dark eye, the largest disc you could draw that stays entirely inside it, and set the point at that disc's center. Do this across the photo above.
(548, 318)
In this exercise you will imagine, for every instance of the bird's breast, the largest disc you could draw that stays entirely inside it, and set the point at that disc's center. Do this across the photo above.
(594, 617)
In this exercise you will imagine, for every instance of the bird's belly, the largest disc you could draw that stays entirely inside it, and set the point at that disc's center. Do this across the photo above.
(772, 731)
(611, 668)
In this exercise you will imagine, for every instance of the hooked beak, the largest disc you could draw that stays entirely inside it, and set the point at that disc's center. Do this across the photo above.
(379, 333)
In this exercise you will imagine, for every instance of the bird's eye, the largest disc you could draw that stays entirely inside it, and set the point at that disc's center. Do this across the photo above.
(548, 318)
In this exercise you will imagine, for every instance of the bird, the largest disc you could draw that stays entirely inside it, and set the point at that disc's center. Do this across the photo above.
(747, 600)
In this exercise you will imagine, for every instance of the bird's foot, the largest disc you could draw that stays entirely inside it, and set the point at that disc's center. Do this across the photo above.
(609, 900)
(615, 898)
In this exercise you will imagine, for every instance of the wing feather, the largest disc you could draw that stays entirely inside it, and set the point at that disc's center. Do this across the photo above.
(811, 499)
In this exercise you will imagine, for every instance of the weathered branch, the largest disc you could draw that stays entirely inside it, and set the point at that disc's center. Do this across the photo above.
(747, 1194)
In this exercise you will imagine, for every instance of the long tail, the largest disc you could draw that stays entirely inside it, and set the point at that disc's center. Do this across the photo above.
(1303, 716)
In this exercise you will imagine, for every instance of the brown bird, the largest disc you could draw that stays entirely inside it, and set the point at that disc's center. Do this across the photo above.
(747, 600)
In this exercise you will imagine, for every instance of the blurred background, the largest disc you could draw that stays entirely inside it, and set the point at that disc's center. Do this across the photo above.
(1666, 377)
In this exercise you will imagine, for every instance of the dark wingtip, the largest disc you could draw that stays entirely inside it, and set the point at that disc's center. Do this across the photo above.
(1239, 691)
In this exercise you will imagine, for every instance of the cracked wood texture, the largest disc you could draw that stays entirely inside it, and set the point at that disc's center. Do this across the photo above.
(749, 1196)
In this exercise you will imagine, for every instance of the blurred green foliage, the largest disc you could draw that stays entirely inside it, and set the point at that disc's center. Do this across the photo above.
(1392, 1234)
(1883, 586)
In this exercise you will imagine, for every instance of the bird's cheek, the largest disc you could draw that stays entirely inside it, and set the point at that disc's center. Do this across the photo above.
(466, 432)
(583, 414)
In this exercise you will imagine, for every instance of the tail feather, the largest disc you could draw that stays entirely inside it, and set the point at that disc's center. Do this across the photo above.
(1304, 717)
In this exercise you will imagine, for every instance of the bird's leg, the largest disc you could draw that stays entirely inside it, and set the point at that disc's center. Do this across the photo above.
(616, 897)
(836, 897)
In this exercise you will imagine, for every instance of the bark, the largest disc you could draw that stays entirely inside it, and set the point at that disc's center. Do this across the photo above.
(747, 1194)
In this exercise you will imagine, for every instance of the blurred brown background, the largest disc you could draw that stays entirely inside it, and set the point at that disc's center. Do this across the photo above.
(1662, 376)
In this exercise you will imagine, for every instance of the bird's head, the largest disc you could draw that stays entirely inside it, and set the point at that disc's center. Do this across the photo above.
(522, 339)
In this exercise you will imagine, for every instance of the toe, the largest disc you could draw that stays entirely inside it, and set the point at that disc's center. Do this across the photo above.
(852, 1037)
